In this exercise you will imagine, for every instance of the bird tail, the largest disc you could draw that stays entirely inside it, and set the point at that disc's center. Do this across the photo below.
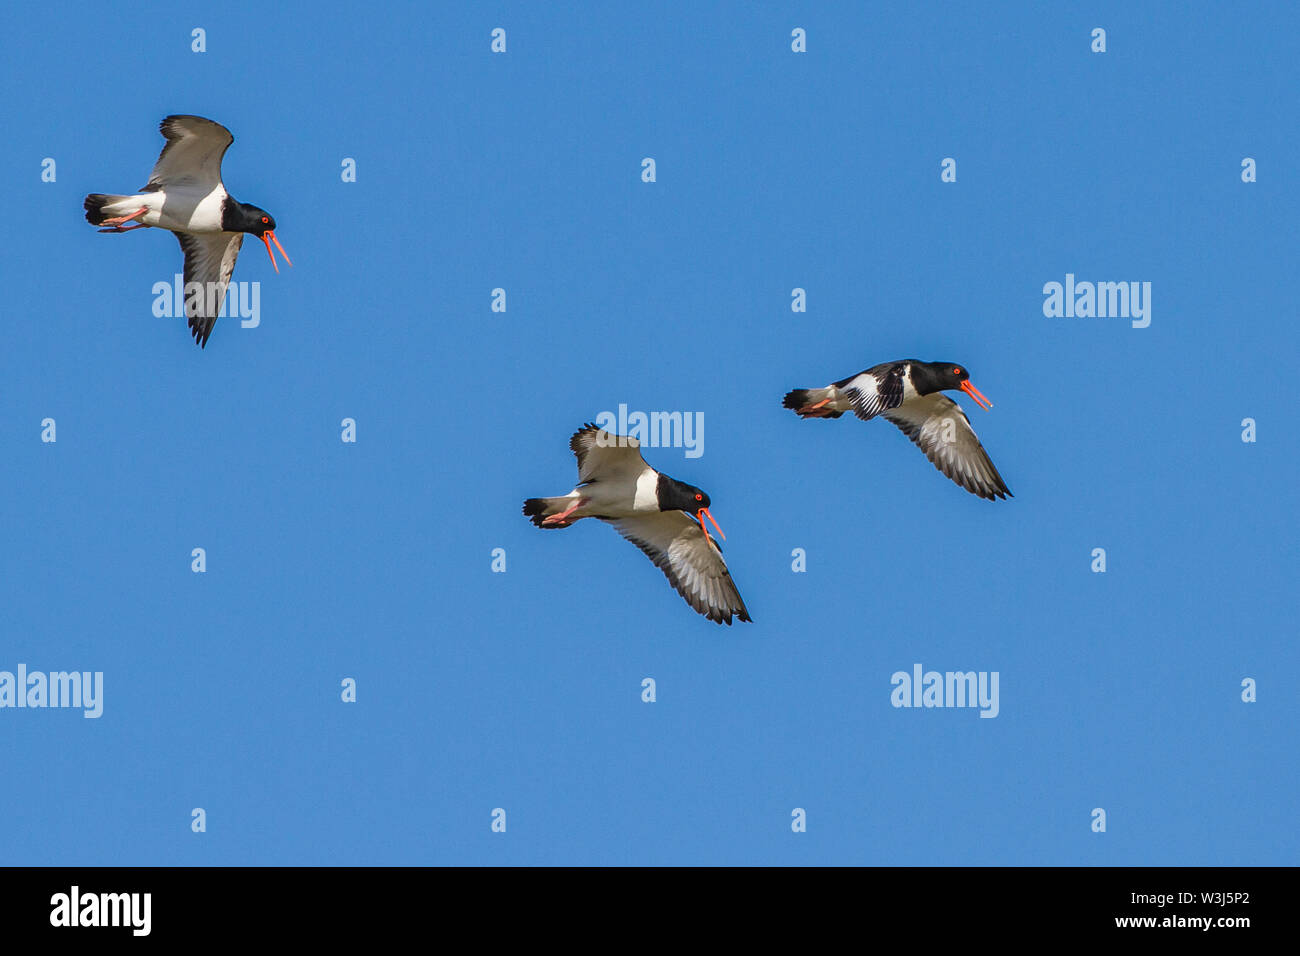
(100, 206)
(813, 402)
(539, 508)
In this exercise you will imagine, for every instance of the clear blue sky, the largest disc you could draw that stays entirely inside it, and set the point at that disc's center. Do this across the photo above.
(521, 690)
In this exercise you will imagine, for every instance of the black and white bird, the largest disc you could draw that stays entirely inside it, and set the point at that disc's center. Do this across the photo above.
(910, 394)
(656, 513)
(185, 195)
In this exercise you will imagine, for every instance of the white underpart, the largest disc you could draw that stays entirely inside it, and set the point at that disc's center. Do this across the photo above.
(836, 400)
(183, 208)
(618, 497)
(839, 401)
(647, 486)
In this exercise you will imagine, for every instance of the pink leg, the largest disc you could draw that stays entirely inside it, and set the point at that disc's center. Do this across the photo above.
(558, 519)
(810, 411)
(125, 228)
(118, 220)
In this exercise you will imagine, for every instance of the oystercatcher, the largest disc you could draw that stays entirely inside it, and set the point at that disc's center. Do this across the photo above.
(656, 513)
(185, 195)
(910, 394)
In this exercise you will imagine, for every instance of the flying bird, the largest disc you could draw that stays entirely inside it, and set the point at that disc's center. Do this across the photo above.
(185, 195)
(655, 512)
(910, 394)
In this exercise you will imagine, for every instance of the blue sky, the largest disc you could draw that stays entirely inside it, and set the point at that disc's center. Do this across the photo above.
(775, 170)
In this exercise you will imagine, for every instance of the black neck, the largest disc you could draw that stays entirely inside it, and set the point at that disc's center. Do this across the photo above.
(925, 378)
(240, 217)
(674, 496)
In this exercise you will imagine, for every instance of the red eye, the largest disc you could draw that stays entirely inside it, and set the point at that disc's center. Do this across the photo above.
(955, 371)
(699, 497)
(264, 219)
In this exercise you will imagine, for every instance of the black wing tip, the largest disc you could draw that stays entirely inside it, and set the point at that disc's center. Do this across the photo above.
(589, 426)
(173, 118)
(169, 124)
(985, 492)
(999, 489)
(201, 335)
(171, 121)
(575, 440)
(720, 616)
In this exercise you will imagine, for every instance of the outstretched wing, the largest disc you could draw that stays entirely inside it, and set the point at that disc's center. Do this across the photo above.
(209, 261)
(192, 155)
(941, 429)
(604, 456)
(689, 558)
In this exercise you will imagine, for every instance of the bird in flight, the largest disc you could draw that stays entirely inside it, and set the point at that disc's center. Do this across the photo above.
(186, 196)
(657, 513)
(910, 394)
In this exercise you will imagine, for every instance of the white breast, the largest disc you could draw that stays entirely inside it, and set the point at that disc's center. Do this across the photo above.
(647, 484)
(187, 209)
(909, 390)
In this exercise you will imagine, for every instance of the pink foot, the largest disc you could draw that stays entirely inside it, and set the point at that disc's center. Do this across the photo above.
(118, 220)
(811, 411)
(560, 518)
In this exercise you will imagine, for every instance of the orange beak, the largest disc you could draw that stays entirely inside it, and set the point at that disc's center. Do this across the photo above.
(269, 237)
(976, 394)
(704, 513)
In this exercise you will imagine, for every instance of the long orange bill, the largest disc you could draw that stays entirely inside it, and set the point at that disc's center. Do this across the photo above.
(976, 394)
(269, 237)
(281, 248)
(704, 513)
(266, 237)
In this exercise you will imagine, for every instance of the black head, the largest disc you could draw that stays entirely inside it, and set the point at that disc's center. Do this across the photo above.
(241, 217)
(928, 377)
(265, 222)
(676, 495)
